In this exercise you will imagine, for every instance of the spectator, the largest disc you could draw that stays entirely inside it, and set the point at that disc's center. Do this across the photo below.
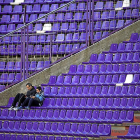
(20, 97)
(36, 100)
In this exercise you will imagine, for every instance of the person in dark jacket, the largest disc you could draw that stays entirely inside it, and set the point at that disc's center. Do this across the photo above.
(36, 100)
(20, 97)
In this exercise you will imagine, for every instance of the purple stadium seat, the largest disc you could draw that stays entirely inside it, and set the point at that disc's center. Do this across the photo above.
(67, 80)
(73, 26)
(101, 58)
(119, 14)
(105, 15)
(81, 6)
(3, 28)
(109, 5)
(5, 18)
(62, 49)
(98, 25)
(45, 8)
(38, 27)
(53, 7)
(112, 14)
(22, 18)
(29, 8)
(78, 16)
(97, 15)
(32, 17)
(60, 37)
(36, 8)
(72, 7)
(60, 17)
(127, 14)
(11, 27)
(99, 6)
(68, 16)
(33, 39)
(136, 47)
(120, 24)
(40, 65)
(129, 47)
(17, 9)
(15, 18)
(134, 3)
(2, 65)
(65, 26)
(7, 9)
(17, 77)
(68, 48)
(109, 58)
(121, 47)
(119, 4)
(82, 26)
(135, 13)
(72, 69)
(56, 27)
(97, 35)
(128, 22)
(64, 8)
(136, 78)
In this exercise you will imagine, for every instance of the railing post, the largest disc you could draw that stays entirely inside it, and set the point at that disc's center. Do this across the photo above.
(24, 21)
(27, 53)
(21, 67)
(87, 25)
(92, 20)
(89, 19)
(24, 54)
(50, 58)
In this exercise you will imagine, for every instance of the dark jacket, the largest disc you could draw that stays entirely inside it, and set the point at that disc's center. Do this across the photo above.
(31, 92)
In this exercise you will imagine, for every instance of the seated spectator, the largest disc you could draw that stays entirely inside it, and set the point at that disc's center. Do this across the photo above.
(20, 97)
(36, 100)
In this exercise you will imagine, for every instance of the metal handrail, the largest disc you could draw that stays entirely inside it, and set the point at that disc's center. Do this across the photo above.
(65, 5)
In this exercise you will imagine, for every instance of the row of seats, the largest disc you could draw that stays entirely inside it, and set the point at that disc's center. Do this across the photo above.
(6, 1)
(56, 128)
(104, 69)
(40, 49)
(66, 27)
(116, 58)
(69, 115)
(133, 132)
(38, 8)
(99, 5)
(6, 78)
(124, 47)
(93, 91)
(88, 103)
(37, 137)
(78, 16)
(60, 38)
(112, 14)
(16, 66)
(7, 9)
(90, 80)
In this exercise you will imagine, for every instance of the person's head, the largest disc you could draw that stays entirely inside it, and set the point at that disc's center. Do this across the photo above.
(38, 89)
(29, 86)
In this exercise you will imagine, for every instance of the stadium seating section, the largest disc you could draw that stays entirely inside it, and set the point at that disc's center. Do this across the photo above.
(84, 102)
